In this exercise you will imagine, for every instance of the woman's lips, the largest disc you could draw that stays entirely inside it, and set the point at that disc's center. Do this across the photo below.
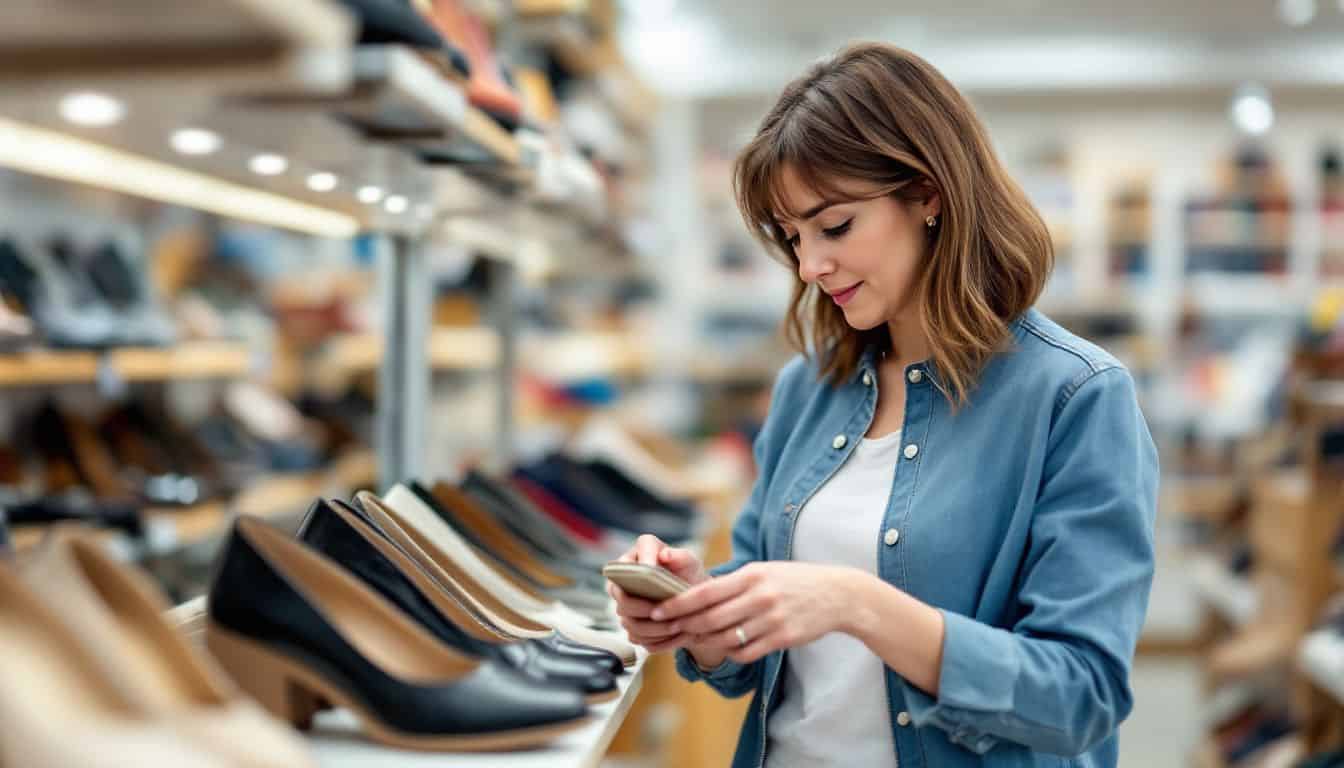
(842, 298)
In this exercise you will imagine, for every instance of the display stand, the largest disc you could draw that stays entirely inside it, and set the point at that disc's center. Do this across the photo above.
(337, 744)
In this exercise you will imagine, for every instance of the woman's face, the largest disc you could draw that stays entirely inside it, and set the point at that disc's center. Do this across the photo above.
(862, 254)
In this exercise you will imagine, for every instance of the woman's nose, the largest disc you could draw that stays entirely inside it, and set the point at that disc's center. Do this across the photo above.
(813, 264)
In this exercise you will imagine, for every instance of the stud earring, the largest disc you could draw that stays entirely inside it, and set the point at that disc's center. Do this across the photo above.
(931, 222)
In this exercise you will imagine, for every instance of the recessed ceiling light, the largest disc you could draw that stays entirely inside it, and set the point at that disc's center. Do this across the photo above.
(60, 156)
(1296, 13)
(369, 194)
(268, 165)
(322, 182)
(195, 141)
(396, 204)
(90, 108)
(1252, 110)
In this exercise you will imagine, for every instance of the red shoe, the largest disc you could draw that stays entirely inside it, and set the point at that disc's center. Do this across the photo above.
(486, 88)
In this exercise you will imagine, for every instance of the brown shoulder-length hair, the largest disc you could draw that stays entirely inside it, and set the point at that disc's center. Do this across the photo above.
(879, 114)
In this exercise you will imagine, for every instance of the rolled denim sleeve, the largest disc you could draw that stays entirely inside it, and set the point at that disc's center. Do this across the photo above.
(731, 679)
(1057, 679)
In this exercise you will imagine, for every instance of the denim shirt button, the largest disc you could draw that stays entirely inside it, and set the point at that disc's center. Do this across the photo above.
(867, 379)
(892, 537)
(903, 719)
(915, 376)
(911, 451)
(839, 442)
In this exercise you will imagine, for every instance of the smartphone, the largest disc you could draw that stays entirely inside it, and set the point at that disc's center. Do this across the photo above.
(651, 582)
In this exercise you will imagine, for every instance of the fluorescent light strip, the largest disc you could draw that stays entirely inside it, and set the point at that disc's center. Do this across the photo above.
(47, 153)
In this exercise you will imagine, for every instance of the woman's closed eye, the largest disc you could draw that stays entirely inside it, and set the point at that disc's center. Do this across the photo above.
(838, 231)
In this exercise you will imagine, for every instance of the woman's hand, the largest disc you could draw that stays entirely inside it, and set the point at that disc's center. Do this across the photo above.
(655, 636)
(776, 605)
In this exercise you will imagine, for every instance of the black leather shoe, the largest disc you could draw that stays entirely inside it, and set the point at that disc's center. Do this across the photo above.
(296, 631)
(555, 643)
(338, 532)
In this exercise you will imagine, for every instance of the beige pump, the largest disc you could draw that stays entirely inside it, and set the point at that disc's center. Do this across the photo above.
(118, 616)
(448, 554)
(53, 688)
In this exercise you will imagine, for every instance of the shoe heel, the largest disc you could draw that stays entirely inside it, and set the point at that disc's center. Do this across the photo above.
(263, 675)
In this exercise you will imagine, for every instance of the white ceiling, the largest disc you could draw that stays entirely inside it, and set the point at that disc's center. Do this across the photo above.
(717, 47)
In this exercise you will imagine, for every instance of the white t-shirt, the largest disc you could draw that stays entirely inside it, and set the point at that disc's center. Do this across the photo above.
(834, 709)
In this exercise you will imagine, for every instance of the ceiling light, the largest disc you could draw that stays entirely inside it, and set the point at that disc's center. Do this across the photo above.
(195, 141)
(268, 165)
(1252, 110)
(1296, 13)
(396, 204)
(369, 195)
(322, 182)
(89, 108)
(59, 156)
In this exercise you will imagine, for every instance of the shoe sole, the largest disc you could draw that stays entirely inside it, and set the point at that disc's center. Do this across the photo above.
(592, 698)
(294, 694)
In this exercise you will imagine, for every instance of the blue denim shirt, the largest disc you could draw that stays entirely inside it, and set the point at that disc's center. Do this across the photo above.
(1026, 517)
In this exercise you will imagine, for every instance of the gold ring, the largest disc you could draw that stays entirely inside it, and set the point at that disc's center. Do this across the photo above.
(741, 637)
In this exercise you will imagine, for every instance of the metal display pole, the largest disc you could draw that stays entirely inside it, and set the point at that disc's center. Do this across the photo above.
(504, 314)
(403, 379)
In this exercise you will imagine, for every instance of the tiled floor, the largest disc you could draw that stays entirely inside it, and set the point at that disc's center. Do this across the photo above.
(1165, 724)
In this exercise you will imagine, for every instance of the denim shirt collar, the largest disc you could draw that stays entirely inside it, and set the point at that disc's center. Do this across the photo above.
(872, 356)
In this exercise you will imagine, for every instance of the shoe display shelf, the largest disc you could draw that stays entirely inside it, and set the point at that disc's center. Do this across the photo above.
(580, 34)
(273, 497)
(59, 40)
(336, 744)
(191, 360)
(336, 741)
(1260, 638)
(562, 355)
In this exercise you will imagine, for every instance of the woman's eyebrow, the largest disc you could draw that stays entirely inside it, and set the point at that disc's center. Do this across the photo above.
(810, 212)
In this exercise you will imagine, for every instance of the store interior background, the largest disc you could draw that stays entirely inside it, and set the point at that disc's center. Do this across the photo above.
(1188, 158)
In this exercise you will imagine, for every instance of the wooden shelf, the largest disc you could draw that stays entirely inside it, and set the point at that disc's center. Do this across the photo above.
(271, 497)
(41, 367)
(449, 349)
(555, 355)
(192, 360)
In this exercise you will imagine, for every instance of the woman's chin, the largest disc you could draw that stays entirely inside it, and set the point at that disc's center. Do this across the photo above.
(860, 320)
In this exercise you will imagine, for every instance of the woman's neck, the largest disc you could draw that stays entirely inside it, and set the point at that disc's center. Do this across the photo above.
(908, 342)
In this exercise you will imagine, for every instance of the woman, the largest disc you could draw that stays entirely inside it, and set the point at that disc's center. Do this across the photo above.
(947, 554)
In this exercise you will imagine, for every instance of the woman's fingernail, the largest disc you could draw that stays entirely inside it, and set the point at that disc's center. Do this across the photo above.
(675, 628)
(658, 614)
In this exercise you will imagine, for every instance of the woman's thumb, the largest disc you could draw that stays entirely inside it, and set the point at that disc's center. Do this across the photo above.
(679, 561)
